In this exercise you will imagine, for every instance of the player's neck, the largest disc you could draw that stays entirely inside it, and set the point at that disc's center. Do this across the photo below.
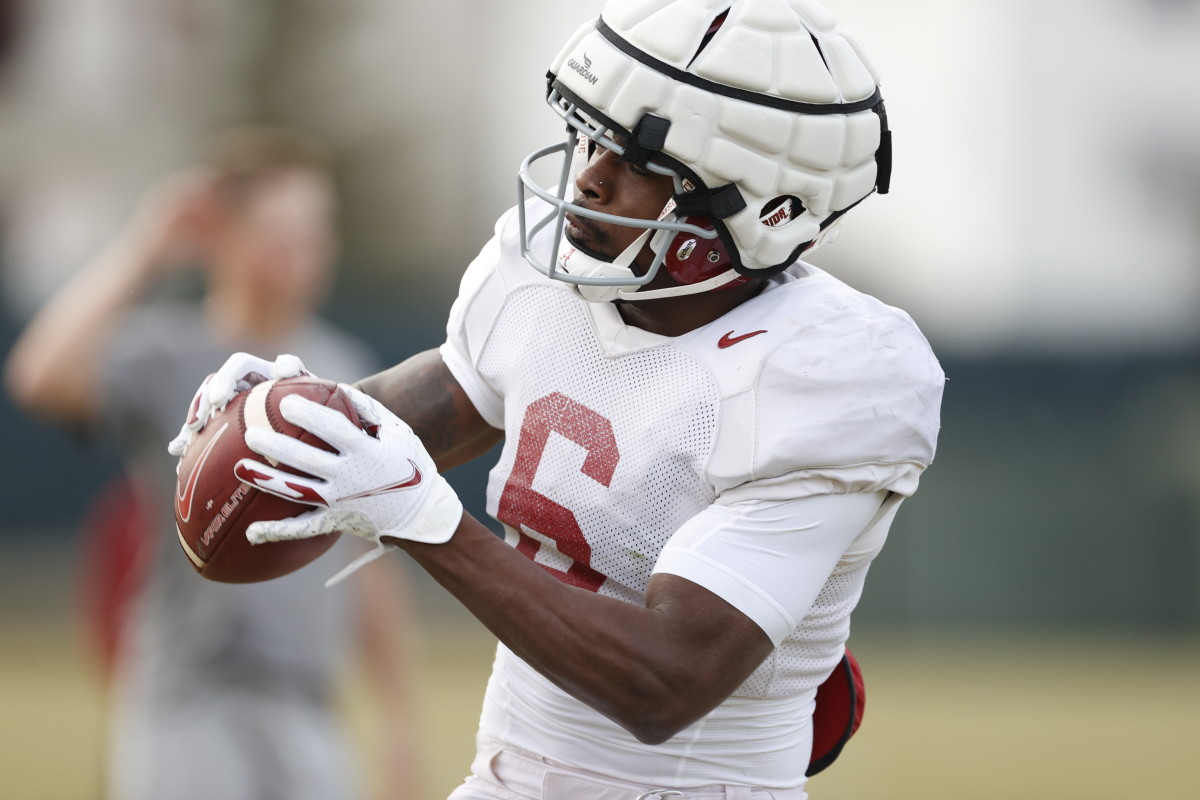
(675, 316)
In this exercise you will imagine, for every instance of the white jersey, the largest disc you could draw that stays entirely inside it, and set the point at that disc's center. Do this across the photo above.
(618, 438)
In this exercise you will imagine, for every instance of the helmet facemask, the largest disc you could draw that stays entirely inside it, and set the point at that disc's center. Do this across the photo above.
(682, 245)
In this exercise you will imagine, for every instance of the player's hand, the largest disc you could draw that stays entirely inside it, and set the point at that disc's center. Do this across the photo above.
(176, 220)
(380, 483)
(239, 373)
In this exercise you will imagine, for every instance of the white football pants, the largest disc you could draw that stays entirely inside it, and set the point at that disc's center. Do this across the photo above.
(504, 774)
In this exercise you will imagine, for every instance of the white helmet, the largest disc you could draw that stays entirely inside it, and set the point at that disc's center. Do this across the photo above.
(767, 115)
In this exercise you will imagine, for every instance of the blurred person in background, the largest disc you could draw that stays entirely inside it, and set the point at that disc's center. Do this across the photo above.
(705, 439)
(216, 691)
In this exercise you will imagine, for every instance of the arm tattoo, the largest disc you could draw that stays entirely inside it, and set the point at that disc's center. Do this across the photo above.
(423, 393)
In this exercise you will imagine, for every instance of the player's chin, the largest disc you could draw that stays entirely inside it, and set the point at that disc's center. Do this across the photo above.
(587, 244)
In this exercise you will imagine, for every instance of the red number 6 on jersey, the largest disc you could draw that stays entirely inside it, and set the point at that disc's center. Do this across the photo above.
(523, 508)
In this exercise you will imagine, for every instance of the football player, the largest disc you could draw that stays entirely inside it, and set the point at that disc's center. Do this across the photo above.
(706, 439)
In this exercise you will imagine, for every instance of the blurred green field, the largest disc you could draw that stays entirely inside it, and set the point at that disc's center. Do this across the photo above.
(976, 718)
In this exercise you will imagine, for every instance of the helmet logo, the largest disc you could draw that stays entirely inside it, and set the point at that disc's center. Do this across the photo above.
(777, 213)
(685, 250)
(564, 260)
(584, 69)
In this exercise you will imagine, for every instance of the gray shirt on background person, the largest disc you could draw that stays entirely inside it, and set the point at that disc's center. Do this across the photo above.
(223, 688)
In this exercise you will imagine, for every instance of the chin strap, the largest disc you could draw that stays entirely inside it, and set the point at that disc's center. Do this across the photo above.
(579, 264)
(715, 282)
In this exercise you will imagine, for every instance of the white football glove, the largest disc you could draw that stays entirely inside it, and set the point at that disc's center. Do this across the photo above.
(239, 373)
(382, 483)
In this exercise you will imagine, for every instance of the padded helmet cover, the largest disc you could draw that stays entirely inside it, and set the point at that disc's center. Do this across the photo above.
(780, 102)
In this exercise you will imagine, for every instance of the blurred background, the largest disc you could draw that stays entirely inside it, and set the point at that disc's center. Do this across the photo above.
(1031, 628)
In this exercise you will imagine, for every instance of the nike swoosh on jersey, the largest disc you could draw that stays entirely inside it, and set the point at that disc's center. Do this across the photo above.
(412, 480)
(729, 340)
(184, 501)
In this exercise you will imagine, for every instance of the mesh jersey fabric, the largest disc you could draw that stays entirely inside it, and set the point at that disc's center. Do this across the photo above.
(616, 437)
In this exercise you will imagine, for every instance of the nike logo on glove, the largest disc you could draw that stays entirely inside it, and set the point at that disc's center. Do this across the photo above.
(729, 340)
(183, 504)
(407, 483)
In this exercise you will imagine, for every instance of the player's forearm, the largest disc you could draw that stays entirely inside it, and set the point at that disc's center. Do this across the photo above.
(639, 666)
(54, 366)
(423, 393)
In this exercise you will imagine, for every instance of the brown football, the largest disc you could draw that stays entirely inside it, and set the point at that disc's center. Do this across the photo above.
(213, 508)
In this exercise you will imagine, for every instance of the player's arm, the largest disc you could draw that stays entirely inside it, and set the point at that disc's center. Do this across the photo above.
(653, 670)
(54, 367)
(731, 585)
(423, 393)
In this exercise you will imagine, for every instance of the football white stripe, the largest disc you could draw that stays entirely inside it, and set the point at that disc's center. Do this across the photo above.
(254, 411)
(190, 554)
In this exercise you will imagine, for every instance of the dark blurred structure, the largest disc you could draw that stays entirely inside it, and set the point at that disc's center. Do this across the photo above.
(10, 23)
